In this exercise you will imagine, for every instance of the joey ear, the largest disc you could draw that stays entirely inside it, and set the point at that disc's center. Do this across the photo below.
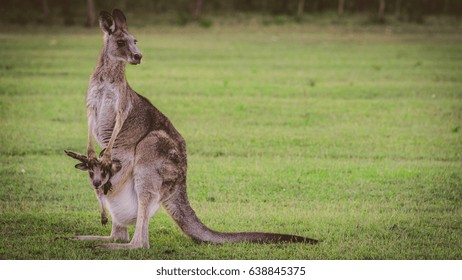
(106, 22)
(101, 153)
(82, 166)
(116, 166)
(119, 18)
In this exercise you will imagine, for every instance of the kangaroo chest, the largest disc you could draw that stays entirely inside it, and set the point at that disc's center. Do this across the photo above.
(102, 102)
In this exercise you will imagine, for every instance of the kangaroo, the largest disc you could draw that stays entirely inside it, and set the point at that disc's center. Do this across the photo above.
(151, 151)
(99, 177)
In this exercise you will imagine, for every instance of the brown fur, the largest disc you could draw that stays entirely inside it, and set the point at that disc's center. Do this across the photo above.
(152, 152)
(100, 177)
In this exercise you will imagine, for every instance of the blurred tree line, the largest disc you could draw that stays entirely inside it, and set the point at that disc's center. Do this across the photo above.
(86, 11)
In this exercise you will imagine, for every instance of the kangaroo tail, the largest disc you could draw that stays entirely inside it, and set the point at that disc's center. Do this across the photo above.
(179, 208)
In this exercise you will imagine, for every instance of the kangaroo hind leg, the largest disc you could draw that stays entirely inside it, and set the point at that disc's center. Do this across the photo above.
(147, 185)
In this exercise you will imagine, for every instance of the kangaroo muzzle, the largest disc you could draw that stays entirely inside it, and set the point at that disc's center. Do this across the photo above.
(136, 58)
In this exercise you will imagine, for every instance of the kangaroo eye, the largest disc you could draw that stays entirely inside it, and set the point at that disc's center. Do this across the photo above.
(120, 43)
(136, 41)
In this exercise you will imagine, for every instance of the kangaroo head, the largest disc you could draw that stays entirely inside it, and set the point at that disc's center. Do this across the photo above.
(99, 175)
(120, 45)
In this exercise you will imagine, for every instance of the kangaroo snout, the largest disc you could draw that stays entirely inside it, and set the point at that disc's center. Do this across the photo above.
(96, 183)
(137, 58)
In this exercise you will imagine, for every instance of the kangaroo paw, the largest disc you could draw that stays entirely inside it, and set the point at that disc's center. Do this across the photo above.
(93, 238)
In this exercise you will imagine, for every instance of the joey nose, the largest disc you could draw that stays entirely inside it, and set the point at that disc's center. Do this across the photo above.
(97, 183)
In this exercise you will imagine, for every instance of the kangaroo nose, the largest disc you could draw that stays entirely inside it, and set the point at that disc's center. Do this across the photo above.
(138, 57)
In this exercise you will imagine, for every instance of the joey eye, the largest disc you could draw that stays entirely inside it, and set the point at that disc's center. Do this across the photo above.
(136, 41)
(91, 174)
(120, 43)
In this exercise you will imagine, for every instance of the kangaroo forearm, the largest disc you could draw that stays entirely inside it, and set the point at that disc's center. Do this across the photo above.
(90, 149)
(115, 132)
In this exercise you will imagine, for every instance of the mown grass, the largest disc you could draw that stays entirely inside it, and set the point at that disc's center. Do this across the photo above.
(351, 136)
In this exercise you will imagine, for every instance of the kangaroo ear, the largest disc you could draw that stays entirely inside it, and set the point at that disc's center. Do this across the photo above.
(119, 18)
(116, 166)
(101, 153)
(82, 166)
(106, 22)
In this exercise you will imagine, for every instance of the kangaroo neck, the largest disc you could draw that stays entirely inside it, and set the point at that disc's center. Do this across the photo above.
(109, 69)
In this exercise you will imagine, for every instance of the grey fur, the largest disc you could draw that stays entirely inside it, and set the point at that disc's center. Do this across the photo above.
(152, 152)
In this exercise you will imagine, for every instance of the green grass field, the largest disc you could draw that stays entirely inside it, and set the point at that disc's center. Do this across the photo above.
(349, 135)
